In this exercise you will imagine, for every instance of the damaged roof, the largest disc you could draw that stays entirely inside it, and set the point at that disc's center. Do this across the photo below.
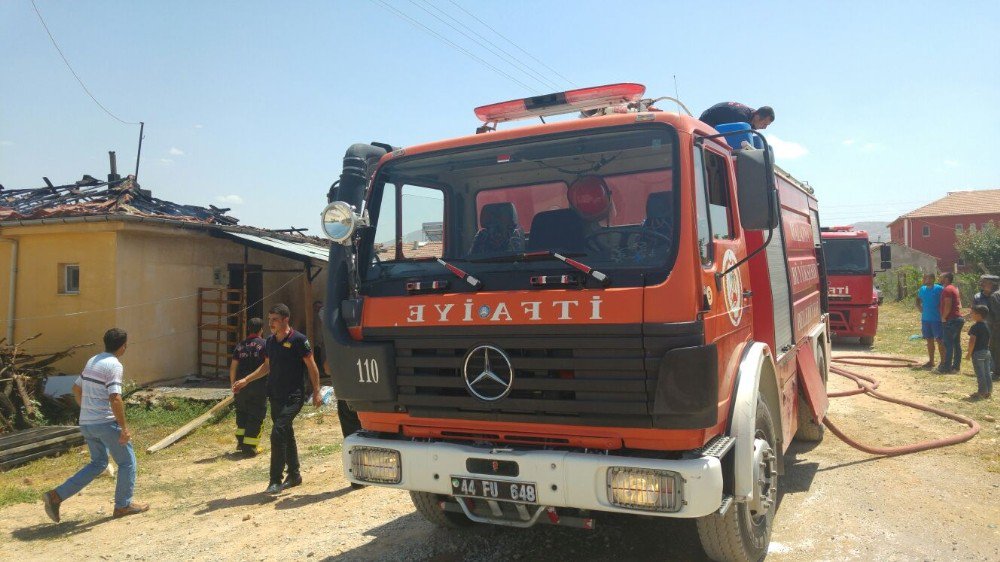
(91, 196)
(123, 198)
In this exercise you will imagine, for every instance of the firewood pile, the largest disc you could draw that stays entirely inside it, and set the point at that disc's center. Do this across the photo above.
(22, 382)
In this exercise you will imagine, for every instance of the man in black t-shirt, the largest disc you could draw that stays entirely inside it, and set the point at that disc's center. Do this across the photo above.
(288, 360)
(251, 402)
(732, 112)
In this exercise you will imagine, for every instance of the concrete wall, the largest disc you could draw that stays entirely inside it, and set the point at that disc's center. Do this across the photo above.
(142, 278)
(63, 320)
(902, 255)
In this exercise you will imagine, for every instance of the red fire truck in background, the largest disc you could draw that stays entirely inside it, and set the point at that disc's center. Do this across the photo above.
(853, 298)
(619, 313)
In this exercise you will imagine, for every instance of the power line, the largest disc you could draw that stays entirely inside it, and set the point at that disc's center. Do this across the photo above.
(75, 75)
(502, 36)
(534, 74)
(451, 43)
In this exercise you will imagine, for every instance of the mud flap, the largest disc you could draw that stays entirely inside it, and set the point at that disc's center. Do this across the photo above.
(811, 382)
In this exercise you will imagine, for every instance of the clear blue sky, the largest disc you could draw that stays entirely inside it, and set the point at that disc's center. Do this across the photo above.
(881, 106)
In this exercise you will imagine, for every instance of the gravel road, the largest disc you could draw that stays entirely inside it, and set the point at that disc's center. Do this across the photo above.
(837, 504)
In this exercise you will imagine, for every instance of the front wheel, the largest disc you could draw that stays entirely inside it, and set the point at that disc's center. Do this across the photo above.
(867, 341)
(744, 532)
(428, 505)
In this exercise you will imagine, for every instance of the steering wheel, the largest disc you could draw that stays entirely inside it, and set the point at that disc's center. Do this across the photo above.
(626, 242)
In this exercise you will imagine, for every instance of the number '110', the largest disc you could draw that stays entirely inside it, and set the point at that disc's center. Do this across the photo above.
(367, 371)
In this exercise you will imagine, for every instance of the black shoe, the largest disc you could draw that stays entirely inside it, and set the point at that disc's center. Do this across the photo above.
(356, 486)
(51, 501)
(274, 489)
(291, 481)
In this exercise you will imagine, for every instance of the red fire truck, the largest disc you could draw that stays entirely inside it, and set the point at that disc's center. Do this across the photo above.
(853, 298)
(618, 313)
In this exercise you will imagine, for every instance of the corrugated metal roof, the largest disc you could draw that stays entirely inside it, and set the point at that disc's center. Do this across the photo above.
(304, 249)
(978, 202)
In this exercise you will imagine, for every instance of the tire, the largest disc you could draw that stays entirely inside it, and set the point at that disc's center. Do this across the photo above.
(808, 430)
(743, 534)
(427, 504)
(867, 341)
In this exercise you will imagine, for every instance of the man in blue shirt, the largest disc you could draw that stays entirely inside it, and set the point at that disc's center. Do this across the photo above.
(929, 305)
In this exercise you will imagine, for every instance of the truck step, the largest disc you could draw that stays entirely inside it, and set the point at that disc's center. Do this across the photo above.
(727, 502)
(718, 446)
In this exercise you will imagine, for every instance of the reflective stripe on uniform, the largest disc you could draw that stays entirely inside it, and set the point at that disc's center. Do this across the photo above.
(251, 440)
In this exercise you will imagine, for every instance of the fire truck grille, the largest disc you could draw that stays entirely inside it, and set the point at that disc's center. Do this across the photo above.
(594, 375)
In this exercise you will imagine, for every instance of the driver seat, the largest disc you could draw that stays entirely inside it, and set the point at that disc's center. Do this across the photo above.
(559, 230)
(660, 212)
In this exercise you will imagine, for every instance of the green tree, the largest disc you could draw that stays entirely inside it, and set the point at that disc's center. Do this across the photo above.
(980, 249)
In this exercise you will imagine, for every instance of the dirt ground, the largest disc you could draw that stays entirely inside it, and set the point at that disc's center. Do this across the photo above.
(837, 504)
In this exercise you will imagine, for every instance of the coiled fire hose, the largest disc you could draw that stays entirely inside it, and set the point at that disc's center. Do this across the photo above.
(869, 386)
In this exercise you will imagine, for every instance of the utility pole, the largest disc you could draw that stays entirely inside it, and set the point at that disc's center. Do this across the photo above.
(142, 125)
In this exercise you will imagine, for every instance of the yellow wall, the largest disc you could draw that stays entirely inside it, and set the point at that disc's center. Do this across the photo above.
(142, 278)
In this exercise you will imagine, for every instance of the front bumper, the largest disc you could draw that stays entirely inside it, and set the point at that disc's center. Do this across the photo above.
(563, 479)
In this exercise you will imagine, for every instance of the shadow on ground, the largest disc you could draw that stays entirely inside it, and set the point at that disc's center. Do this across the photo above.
(56, 530)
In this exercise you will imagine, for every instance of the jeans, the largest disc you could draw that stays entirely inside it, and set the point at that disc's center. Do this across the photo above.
(952, 339)
(982, 362)
(102, 439)
(284, 451)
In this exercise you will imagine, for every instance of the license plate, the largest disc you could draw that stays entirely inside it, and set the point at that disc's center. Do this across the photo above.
(523, 492)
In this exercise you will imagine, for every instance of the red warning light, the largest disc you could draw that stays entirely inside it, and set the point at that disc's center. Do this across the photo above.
(561, 102)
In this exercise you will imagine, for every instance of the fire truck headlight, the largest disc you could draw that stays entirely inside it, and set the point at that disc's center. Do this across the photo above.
(377, 465)
(339, 221)
(642, 488)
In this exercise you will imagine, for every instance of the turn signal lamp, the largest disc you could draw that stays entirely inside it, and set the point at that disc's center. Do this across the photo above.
(561, 102)
(642, 488)
(376, 465)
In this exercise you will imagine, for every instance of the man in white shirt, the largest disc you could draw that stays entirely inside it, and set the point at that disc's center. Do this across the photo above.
(98, 390)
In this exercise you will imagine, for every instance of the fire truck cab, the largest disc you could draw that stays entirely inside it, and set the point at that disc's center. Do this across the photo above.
(619, 313)
(853, 298)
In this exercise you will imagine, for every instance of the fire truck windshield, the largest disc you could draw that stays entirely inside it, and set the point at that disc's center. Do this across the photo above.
(847, 256)
(607, 197)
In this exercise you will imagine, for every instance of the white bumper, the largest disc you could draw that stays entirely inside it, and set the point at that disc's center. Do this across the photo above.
(563, 479)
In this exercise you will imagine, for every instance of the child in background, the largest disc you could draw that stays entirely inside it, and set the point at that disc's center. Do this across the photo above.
(979, 352)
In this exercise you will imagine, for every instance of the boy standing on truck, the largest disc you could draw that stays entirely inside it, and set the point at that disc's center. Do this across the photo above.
(732, 112)
(979, 352)
(929, 305)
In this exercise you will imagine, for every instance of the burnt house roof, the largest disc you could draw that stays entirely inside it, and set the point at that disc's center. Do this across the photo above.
(90, 196)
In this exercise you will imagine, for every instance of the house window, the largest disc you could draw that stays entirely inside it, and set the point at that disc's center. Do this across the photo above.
(69, 278)
(972, 227)
(926, 231)
(958, 228)
(961, 262)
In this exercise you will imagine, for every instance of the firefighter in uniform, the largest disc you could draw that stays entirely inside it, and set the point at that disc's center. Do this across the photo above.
(288, 360)
(251, 402)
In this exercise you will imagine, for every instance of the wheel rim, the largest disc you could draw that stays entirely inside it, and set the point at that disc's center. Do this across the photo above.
(765, 491)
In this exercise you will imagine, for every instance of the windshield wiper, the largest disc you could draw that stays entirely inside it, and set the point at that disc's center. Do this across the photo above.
(476, 283)
(522, 256)
(601, 278)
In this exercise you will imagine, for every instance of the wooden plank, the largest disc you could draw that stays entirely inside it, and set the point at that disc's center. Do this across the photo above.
(34, 434)
(5, 465)
(217, 301)
(71, 439)
(190, 426)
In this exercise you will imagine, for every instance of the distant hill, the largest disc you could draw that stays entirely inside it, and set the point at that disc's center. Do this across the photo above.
(878, 231)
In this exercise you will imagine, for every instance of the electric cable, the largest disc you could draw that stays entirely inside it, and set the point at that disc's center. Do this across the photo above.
(450, 42)
(75, 75)
(502, 36)
(534, 74)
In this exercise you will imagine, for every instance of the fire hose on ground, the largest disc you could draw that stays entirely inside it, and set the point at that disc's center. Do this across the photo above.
(868, 385)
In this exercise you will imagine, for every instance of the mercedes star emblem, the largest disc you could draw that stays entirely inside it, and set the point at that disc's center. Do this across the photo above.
(488, 373)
